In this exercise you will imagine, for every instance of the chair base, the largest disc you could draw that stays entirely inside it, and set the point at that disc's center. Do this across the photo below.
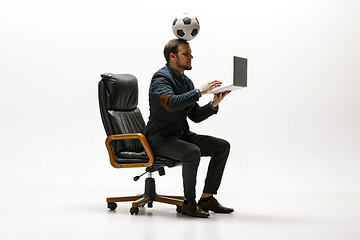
(148, 197)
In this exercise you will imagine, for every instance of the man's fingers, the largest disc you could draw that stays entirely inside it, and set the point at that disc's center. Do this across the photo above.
(215, 84)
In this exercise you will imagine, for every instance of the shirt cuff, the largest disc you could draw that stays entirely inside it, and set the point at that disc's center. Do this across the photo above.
(198, 92)
(214, 108)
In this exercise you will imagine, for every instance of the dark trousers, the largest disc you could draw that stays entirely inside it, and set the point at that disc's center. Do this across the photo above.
(189, 151)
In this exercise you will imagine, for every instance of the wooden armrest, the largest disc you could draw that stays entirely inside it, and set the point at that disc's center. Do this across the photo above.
(144, 143)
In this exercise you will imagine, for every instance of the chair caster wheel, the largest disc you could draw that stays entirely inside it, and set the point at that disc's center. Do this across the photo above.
(112, 205)
(134, 210)
(179, 209)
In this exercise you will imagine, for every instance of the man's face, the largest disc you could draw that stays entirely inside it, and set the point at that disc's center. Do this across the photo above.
(183, 57)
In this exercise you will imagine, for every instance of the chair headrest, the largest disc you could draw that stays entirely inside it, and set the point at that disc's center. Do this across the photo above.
(122, 91)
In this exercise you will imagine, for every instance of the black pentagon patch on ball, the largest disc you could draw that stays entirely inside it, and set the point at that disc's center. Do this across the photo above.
(187, 20)
(194, 32)
(197, 20)
(180, 33)
(175, 20)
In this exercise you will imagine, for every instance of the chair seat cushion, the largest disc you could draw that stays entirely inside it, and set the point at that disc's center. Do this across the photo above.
(141, 157)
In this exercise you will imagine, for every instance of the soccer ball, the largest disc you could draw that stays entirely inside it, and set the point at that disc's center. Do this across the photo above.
(186, 27)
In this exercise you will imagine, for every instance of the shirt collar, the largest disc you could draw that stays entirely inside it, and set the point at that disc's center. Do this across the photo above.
(175, 72)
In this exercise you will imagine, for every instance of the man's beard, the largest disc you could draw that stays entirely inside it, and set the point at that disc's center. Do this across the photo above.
(185, 67)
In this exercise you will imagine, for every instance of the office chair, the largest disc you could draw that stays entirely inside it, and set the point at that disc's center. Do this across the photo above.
(126, 144)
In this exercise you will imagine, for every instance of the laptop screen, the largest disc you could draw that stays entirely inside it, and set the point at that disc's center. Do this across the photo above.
(240, 71)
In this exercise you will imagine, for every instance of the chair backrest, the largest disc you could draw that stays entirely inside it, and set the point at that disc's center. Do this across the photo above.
(118, 99)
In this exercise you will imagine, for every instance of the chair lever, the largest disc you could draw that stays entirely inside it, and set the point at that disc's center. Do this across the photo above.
(137, 177)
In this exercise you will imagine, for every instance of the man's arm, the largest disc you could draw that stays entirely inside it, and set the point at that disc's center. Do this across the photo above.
(162, 91)
(198, 114)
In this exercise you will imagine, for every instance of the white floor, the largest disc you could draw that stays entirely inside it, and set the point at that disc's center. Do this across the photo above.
(79, 214)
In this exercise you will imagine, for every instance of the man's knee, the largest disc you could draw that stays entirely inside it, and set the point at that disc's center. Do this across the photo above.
(224, 145)
(191, 154)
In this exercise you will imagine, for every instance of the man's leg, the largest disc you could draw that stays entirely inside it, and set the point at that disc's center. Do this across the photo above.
(218, 149)
(189, 154)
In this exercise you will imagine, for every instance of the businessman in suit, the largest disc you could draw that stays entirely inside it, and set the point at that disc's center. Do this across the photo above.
(173, 98)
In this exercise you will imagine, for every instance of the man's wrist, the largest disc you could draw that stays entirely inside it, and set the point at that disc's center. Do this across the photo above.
(214, 107)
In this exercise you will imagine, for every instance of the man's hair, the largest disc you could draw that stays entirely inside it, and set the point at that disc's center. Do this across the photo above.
(172, 47)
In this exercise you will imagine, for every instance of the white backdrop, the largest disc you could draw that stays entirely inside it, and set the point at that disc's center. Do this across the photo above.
(296, 127)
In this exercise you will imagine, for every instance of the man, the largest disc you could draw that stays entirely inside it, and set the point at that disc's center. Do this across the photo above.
(172, 98)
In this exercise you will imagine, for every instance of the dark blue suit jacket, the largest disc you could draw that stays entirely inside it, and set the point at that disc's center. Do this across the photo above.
(172, 98)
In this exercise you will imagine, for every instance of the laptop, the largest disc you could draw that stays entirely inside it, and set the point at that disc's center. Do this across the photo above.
(239, 79)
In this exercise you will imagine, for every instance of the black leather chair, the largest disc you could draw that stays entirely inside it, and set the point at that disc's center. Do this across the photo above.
(126, 144)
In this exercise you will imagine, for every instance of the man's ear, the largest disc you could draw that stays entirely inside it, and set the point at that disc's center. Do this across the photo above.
(172, 55)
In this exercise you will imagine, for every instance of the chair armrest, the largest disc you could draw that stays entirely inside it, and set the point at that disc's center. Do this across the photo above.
(144, 143)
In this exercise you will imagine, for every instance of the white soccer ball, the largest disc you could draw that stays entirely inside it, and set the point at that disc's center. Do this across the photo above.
(186, 26)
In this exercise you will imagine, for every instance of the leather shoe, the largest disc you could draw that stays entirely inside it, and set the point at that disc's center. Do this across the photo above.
(192, 209)
(213, 205)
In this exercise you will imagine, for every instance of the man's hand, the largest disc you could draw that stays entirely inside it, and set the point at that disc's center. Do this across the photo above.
(209, 86)
(219, 97)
